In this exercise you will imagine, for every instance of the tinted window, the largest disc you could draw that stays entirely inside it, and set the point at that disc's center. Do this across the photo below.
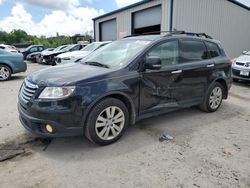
(168, 52)
(213, 49)
(192, 50)
(2, 47)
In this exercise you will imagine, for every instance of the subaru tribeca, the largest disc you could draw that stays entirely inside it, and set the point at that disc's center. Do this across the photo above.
(128, 80)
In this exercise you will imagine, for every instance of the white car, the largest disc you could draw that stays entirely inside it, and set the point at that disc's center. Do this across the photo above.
(8, 48)
(71, 57)
(241, 67)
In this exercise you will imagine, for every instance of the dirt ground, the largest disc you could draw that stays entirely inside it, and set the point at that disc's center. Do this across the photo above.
(208, 150)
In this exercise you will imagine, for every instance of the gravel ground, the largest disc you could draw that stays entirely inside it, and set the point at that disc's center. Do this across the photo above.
(208, 150)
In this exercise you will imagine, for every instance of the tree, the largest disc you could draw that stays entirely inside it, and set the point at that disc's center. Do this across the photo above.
(20, 36)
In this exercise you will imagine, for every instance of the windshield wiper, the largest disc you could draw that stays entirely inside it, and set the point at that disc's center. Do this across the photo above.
(96, 64)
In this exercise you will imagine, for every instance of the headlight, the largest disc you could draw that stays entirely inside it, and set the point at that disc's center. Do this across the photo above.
(56, 92)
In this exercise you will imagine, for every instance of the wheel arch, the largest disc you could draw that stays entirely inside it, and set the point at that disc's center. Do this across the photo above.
(6, 64)
(225, 87)
(117, 95)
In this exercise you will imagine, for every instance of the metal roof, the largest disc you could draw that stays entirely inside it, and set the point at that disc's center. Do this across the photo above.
(146, 1)
(122, 9)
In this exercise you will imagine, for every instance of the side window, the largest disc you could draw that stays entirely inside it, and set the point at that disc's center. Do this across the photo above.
(192, 50)
(2, 47)
(168, 52)
(213, 49)
(34, 49)
(41, 49)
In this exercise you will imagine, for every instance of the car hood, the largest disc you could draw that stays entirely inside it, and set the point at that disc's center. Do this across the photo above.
(68, 74)
(243, 59)
(73, 54)
(44, 53)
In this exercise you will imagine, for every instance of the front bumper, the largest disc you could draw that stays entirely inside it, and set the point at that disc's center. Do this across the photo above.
(236, 75)
(37, 126)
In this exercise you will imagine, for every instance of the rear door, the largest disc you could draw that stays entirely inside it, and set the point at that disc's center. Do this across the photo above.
(196, 67)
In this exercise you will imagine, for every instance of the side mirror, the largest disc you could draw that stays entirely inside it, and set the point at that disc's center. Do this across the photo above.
(244, 52)
(153, 63)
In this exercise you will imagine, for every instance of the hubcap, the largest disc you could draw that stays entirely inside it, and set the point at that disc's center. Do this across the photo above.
(110, 123)
(4, 73)
(215, 98)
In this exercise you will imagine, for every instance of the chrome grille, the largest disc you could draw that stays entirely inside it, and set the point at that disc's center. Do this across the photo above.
(28, 90)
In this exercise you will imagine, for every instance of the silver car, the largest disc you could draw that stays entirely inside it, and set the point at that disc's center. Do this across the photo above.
(241, 67)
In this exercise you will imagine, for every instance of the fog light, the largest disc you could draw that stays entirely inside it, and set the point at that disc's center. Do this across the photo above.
(49, 128)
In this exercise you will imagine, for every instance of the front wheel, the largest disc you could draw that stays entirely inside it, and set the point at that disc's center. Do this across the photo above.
(213, 98)
(107, 121)
(5, 73)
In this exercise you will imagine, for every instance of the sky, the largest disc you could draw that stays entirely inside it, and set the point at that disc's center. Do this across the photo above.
(48, 17)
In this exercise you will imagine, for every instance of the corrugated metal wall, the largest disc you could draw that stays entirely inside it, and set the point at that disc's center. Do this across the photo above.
(124, 18)
(221, 19)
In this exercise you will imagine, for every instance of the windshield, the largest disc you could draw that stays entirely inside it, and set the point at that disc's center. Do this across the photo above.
(91, 47)
(68, 47)
(117, 54)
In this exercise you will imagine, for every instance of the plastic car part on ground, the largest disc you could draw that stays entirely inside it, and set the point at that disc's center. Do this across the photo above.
(165, 137)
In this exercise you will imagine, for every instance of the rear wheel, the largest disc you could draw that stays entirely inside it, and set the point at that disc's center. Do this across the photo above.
(213, 98)
(5, 73)
(107, 121)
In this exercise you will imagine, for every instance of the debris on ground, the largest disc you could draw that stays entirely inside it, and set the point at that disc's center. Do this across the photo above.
(12, 149)
(227, 152)
(8, 152)
(237, 146)
(165, 137)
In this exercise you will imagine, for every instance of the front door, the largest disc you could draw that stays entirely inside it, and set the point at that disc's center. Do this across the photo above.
(161, 88)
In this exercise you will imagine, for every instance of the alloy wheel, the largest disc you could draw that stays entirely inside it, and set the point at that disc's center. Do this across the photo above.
(4, 73)
(110, 123)
(215, 98)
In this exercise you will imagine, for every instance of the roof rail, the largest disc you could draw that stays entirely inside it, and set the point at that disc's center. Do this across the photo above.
(169, 33)
(189, 34)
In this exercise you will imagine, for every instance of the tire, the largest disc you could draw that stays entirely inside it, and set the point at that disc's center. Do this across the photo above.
(213, 98)
(235, 80)
(112, 117)
(5, 73)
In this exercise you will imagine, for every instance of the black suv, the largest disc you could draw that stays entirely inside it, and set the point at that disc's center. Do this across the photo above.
(123, 82)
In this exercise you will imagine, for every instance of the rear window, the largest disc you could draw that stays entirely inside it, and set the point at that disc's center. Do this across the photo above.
(213, 49)
(193, 50)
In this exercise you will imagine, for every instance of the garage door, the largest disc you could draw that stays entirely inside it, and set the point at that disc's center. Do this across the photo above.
(147, 20)
(108, 30)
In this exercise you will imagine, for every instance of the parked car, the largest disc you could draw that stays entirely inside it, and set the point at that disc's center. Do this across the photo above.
(70, 57)
(49, 59)
(35, 57)
(123, 82)
(8, 48)
(32, 49)
(10, 63)
(241, 67)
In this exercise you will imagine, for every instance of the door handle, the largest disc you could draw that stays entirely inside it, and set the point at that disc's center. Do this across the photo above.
(210, 65)
(176, 72)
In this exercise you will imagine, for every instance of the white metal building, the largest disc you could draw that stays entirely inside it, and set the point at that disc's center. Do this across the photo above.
(225, 20)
